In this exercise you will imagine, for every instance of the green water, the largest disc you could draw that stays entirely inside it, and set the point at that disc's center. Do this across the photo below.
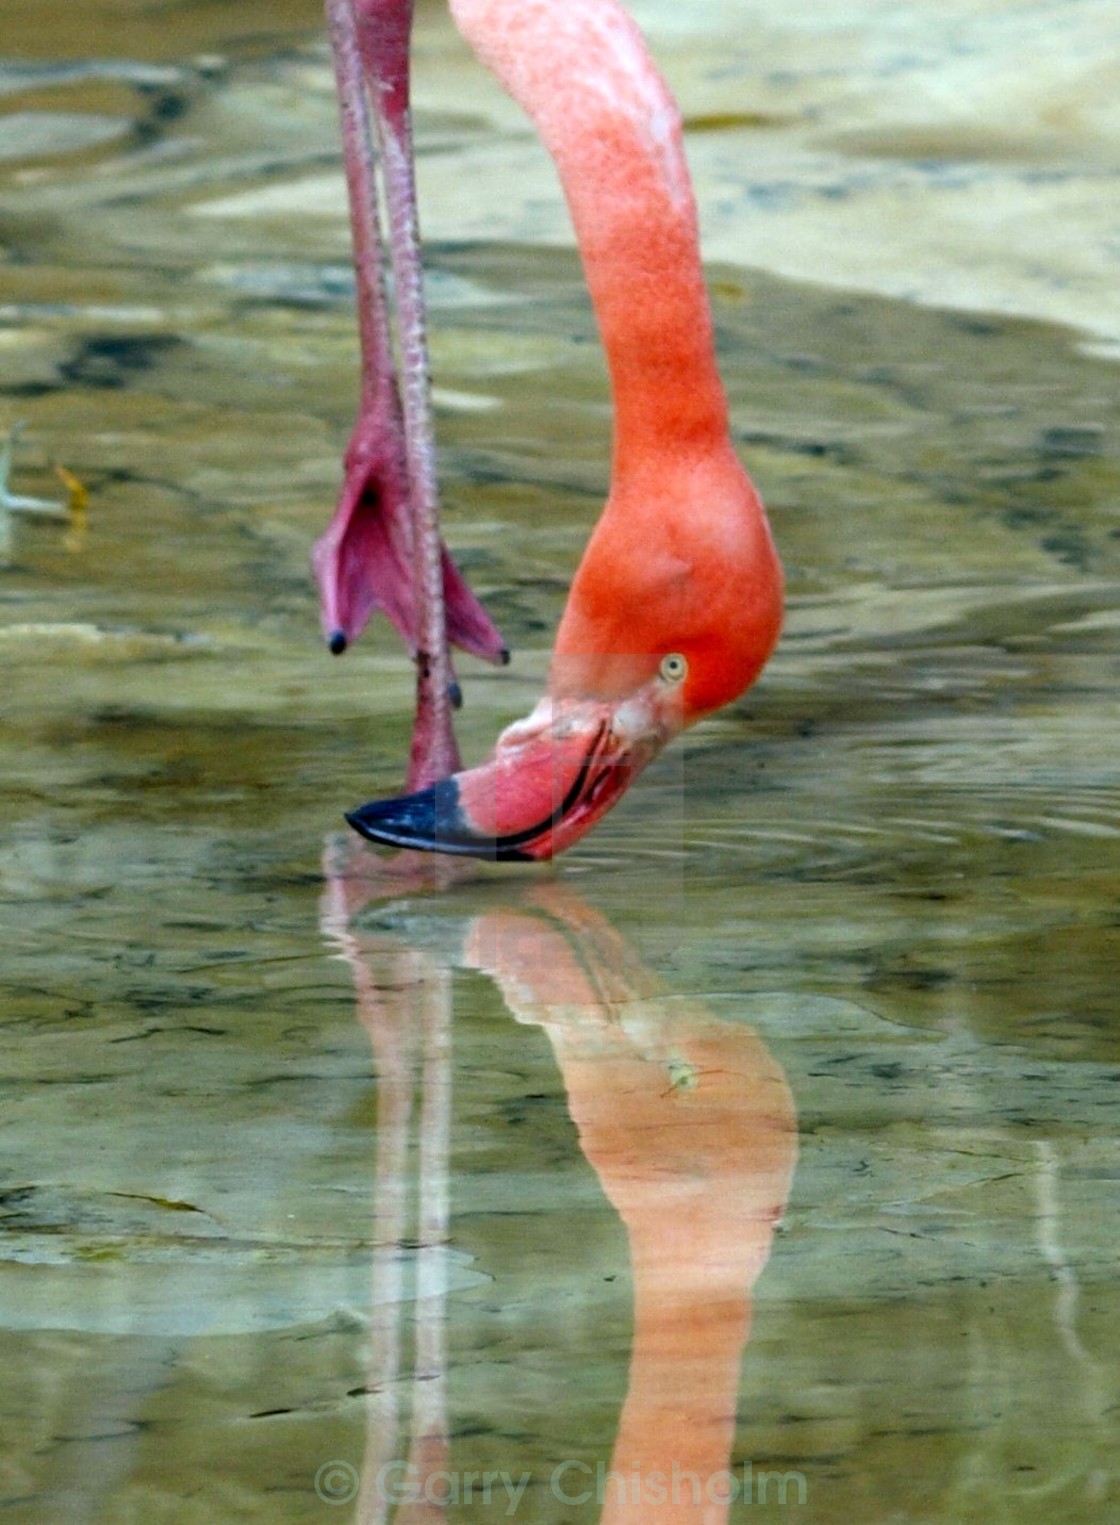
(890, 874)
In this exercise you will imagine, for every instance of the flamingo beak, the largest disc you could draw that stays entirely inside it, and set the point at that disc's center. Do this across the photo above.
(551, 777)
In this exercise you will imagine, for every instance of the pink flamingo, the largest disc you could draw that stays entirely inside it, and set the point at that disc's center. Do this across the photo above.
(677, 602)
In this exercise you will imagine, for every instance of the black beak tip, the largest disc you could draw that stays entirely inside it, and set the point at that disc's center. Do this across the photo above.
(337, 643)
(409, 820)
(364, 823)
(429, 821)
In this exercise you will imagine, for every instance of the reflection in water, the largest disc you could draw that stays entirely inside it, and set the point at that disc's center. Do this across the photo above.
(403, 997)
(690, 1127)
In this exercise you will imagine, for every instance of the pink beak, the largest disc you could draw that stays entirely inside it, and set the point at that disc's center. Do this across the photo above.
(551, 777)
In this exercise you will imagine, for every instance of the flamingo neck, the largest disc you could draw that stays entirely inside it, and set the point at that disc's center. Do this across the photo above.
(581, 71)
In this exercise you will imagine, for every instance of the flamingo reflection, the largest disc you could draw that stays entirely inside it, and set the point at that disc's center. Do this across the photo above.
(686, 1119)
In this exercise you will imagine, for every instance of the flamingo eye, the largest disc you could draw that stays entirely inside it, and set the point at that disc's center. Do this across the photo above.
(674, 667)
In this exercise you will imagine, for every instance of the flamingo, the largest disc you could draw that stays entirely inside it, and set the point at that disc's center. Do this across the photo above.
(677, 602)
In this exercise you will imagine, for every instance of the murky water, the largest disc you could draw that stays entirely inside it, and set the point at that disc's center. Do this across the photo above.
(327, 1183)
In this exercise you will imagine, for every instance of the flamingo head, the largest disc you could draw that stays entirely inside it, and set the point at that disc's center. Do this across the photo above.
(668, 619)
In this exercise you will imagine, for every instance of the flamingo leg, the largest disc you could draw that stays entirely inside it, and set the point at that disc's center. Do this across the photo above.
(363, 561)
(384, 30)
(382, 549)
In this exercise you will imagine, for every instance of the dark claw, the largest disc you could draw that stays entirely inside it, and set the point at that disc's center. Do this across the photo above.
(455, 694)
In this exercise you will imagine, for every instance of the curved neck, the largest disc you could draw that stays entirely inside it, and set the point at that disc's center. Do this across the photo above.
(581, 71)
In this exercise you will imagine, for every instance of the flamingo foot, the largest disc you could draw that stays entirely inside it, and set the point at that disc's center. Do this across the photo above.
(364, 561)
